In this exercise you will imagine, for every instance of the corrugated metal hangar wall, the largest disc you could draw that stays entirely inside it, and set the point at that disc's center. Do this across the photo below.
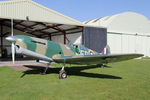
(127, 32)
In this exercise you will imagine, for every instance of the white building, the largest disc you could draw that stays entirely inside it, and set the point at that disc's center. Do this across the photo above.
(127, 32)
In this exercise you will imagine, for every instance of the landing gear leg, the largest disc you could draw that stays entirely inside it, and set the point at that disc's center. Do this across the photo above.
(62, 73)
(44, 72)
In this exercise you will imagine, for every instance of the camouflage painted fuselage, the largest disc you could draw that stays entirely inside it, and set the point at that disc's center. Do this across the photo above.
(51, 49)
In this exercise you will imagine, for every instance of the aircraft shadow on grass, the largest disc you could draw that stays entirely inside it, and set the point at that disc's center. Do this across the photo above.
(72, 71)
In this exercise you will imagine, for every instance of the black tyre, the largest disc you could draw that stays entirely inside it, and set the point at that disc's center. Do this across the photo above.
(62, 74)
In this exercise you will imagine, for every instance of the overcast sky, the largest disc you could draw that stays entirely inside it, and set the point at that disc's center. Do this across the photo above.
(84, 10)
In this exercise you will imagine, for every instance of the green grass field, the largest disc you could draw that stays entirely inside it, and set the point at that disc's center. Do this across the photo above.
(129, 80)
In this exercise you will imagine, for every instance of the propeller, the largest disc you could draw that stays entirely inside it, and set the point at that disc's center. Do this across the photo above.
(12, 39)
(13, 43)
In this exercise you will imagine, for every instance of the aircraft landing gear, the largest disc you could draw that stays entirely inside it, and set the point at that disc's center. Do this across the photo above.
(44, 72)
(62, 73)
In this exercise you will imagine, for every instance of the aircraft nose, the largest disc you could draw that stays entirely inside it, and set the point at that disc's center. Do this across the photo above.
(11, 39)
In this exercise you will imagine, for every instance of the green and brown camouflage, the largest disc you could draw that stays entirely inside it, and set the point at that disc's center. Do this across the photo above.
(51, 49)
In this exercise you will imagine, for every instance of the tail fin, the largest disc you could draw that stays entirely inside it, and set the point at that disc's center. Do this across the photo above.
(106, 50)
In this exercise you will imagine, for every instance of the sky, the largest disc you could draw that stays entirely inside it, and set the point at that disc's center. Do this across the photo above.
(84, 10)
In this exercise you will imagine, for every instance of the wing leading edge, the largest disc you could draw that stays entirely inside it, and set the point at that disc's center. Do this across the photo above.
(96, 59)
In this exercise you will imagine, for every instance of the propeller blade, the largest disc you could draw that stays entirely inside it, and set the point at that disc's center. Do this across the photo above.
(13, 44)
(13, 52)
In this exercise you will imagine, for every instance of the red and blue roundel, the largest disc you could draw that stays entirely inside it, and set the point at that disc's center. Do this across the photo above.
(105, 51)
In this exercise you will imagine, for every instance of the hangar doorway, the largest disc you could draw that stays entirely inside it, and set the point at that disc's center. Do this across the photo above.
(42, 30)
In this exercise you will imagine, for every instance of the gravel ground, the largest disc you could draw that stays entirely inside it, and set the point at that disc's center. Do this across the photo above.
(18, 63)
(23, 65)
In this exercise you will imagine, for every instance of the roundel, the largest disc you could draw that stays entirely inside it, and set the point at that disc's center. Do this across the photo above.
(91, 52)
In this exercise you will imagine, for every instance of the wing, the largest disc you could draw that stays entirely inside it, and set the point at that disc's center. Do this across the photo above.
(96, 59)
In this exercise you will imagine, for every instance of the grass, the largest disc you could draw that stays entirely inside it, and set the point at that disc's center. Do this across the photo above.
(146, 57)
(129, 80)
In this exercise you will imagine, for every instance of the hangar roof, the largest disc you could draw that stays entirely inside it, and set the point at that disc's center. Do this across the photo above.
(35, 19)
(23, 9)
(128, 22)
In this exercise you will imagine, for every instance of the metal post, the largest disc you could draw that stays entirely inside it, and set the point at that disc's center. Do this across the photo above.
(12, 31)
(64, 37)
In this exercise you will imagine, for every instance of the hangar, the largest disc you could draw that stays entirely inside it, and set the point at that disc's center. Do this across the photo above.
(127, 32)
(26, 17)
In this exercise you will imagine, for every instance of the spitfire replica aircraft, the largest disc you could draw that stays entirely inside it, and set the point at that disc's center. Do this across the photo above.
(48, 51)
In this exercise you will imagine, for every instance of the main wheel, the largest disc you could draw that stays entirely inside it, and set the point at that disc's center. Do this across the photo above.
(62, 74)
